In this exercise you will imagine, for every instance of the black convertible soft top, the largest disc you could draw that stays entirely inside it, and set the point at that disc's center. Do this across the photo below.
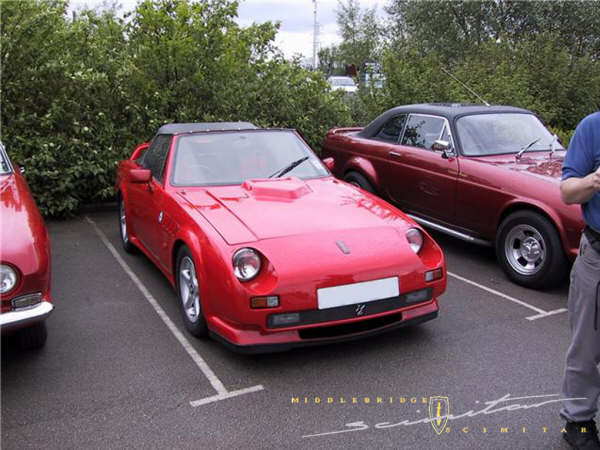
(178, 128)
(450, 111)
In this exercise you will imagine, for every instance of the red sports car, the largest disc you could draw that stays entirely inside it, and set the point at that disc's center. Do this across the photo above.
(485, 174)
(265, 248)
(24, 260)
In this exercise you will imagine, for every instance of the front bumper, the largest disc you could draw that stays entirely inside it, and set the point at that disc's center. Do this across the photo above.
(19, 319)
(287, 340)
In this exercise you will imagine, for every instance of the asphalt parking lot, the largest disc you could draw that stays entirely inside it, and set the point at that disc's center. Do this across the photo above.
(118, 373)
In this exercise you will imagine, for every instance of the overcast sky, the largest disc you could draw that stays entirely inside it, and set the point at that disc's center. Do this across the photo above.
(296, 17)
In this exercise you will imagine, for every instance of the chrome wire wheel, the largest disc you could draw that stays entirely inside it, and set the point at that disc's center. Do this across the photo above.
(123, 222)
(188, 289)
(525, 249)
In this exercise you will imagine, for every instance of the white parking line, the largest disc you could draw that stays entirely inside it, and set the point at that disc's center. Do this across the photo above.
(549, 313)
(218, 397)
(222, 392)
(540, 312)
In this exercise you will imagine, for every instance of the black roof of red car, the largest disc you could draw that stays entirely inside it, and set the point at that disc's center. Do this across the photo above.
(450, 111)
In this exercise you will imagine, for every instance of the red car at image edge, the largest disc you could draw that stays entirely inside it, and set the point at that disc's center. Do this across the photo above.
(24, 260)
(264, 247)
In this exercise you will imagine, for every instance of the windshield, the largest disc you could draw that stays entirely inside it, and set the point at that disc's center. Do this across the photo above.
(342, 82)
(232, 158)
(494, 134)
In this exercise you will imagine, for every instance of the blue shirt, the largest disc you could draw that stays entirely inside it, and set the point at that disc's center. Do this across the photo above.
(583, 158)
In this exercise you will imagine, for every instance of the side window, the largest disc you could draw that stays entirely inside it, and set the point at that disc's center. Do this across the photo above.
(422, 131)
(392, 129)
(154, 158)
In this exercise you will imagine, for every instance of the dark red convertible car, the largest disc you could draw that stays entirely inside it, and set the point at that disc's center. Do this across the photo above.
(24, 260)
(265, 248)
(485, 174)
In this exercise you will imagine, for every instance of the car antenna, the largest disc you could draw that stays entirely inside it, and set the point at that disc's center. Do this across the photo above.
(466, 87)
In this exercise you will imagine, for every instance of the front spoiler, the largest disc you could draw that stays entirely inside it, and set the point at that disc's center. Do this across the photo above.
(18, 319)
(282, 347)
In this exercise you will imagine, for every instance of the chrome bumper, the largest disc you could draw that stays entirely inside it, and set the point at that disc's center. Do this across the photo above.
(16, 319)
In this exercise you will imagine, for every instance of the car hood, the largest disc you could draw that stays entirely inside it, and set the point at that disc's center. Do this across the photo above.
(22, 224)
(539, 164)
(265, 209)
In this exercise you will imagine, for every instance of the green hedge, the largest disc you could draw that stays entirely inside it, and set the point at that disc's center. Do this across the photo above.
(78, 95)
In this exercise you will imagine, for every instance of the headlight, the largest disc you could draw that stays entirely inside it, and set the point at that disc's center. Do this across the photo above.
(415, 239)
(8, 278)
(246, 263)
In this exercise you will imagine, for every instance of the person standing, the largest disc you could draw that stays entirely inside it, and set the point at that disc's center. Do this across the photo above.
(581, 185)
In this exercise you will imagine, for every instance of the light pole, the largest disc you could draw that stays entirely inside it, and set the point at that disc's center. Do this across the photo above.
(315, 34)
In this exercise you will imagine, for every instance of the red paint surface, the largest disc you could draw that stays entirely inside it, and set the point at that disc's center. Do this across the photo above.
(24, 242)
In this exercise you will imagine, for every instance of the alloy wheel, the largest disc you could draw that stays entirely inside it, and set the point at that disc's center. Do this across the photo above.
(525, 249)
(188, 289)
(123, 222)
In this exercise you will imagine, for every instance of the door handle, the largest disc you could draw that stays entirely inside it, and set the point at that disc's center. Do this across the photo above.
(395, 154)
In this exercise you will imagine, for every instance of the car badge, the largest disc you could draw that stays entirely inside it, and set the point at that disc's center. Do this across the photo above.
(160, 217)
(360, 309)
(439, 410)
(343, 247)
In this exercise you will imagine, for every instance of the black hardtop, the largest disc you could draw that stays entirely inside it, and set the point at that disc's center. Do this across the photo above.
(179, 128)
(450, 111)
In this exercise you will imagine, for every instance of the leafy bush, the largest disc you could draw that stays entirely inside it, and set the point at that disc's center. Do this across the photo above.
(78, 95)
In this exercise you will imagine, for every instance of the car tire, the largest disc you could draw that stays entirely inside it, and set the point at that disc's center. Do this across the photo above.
(33, 337)
(529, 250)
(188, 293)
(123, 228)
(357, 179)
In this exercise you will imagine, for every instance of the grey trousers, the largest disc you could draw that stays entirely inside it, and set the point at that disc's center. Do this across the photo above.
(582, 377)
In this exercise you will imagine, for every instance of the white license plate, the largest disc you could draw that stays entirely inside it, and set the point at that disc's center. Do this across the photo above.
(350, 294)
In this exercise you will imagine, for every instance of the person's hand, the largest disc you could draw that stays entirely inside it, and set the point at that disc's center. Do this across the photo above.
(595, 179)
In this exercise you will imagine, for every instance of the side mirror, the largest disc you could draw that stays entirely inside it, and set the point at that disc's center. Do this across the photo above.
(329, 163)
(139, 151)
(140, 175)
(22, 169)
(440, 146)
(443, 146)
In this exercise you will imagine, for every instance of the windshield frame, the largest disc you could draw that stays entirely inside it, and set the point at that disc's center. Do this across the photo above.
(459, 145)
(173, 157)
(6, 159)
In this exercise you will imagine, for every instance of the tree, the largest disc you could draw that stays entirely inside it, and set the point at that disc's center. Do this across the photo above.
(451, 28)
(361, 33)
(77, 95)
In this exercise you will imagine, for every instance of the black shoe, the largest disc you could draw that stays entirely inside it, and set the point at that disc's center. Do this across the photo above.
(582, 435)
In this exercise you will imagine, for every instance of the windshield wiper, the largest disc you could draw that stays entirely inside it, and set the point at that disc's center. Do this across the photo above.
(288, 168)
(527, 147)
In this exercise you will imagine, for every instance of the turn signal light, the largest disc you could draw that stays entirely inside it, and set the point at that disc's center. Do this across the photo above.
(272, 301)
(433, 275)
(26, 301)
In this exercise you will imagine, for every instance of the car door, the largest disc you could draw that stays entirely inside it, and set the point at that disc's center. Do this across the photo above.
(377, 148)
(146, 199)
(424, 181)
